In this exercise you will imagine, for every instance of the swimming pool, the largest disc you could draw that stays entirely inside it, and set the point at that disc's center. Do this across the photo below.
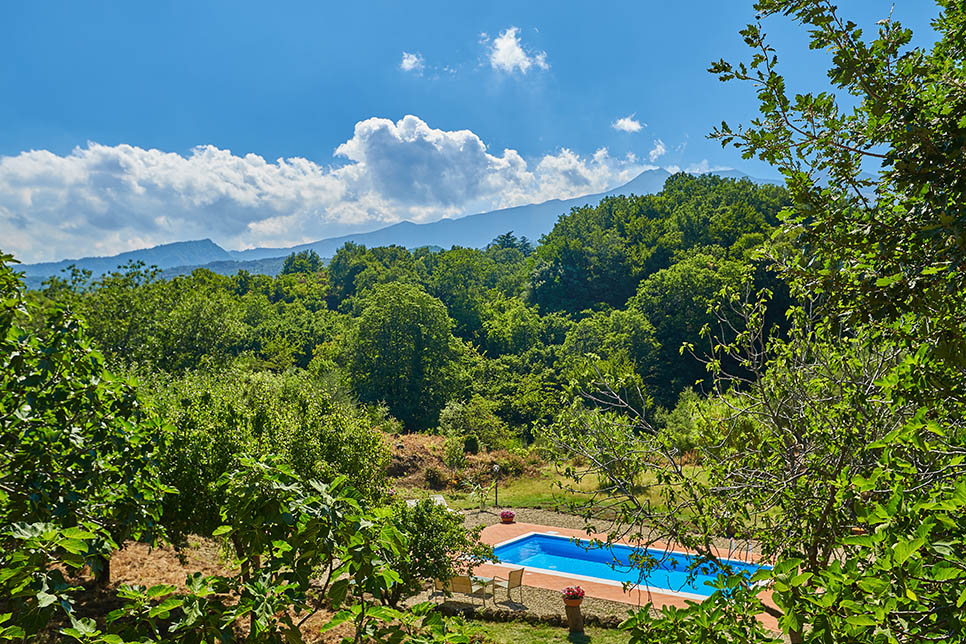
(559, 555)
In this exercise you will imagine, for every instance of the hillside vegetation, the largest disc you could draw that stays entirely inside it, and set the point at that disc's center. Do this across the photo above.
(778, 368)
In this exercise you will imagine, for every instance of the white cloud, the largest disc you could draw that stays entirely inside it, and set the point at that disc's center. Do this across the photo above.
(657, 151)
(101, 200)
(703, 166)
(507, 53)
(411, 62)
(628, 124)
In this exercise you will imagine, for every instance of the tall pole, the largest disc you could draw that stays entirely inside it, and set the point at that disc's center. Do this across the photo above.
(496, 485)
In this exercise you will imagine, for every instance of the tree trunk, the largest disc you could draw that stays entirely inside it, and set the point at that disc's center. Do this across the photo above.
(102, 575)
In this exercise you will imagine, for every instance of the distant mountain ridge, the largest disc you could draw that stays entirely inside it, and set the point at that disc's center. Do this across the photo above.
(474, 231)
(202, 251)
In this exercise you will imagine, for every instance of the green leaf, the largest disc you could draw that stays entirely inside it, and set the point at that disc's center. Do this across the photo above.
(166, 606)
(801, 579)
(220, 530)
(339, 618)
(905, 549)
(45, 599)
(74, 546)
(338, 590)
(889, 281)
(860, 620)
(160, 590)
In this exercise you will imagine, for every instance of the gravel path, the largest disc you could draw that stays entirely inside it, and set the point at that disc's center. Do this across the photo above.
(545, 605)
(474, 518)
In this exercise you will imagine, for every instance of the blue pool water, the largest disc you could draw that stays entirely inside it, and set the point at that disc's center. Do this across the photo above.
(560, 554)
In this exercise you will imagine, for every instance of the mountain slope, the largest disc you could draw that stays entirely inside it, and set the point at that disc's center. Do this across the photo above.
(202, 251)
(475, 231)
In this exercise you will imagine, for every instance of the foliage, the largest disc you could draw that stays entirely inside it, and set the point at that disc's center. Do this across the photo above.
(856, 417)
(215, 419)
(598, 255)
(677, 301)
(77, 447)
(474, 419)
(33, 562)
(439, 546)
(401, 351)
(728, 615)
(306, 261)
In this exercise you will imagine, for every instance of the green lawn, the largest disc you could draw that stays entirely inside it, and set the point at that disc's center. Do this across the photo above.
(521, 633)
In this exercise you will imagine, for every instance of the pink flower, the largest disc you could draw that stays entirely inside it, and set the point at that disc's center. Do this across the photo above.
(507, 515)
(573, 592)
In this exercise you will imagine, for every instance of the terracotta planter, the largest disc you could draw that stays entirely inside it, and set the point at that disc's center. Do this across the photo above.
(506, 520)
(572, 602)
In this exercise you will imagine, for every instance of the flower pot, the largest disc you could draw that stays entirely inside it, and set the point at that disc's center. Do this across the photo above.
(572, 602)
(506, 520)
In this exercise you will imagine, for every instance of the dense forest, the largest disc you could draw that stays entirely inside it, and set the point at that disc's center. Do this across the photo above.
(781, 369)
(623, 284)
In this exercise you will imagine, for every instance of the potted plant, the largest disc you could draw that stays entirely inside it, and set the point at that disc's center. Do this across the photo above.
(507, 516)
(573, 595)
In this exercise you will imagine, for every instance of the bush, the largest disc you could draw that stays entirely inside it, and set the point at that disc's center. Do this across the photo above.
(454, 455)
(471, 444)
(218, 417)
(435, 479)
(439, 547)
(476, 417)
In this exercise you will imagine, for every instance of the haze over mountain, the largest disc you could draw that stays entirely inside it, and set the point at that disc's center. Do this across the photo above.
(475, 230)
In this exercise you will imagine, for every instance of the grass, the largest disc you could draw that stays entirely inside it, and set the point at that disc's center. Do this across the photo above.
(537, 491)
(541, 490)
(520, 633)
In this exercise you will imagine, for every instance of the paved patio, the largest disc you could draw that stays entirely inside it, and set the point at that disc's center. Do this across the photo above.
(500, 532)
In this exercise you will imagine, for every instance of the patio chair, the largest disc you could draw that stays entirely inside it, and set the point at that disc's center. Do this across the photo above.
(514, 579)
(464, 585)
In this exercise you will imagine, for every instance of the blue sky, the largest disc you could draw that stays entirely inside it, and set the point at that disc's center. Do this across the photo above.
(131, 124)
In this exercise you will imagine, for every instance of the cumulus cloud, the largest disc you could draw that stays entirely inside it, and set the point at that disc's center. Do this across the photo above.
(103, 200)
(411, 62)
(657, 151)
(508, 55)
(703, 167)
(627, 124)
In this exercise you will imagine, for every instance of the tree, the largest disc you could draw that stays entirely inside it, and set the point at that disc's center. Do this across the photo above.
(676, 301)
(439, 546)
(77, 447)
(856, 418)
(306, 261)
(475, 417)
(459, 279)
(400, 352)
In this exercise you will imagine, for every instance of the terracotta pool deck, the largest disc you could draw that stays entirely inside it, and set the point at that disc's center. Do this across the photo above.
(500, 532)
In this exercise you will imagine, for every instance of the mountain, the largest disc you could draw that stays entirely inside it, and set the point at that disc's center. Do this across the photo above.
(269, 266)
(202, 251)
(472, 231)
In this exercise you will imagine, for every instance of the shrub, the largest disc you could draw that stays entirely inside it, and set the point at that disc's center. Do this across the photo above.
(454, 455)
(476, 417)
(435, 479)
(471, 444)
(217, 417)
(439, 547)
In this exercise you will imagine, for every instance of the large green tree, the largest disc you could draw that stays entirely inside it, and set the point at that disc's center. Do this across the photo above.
(401, 351)
(77, 447)
(856, 420)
